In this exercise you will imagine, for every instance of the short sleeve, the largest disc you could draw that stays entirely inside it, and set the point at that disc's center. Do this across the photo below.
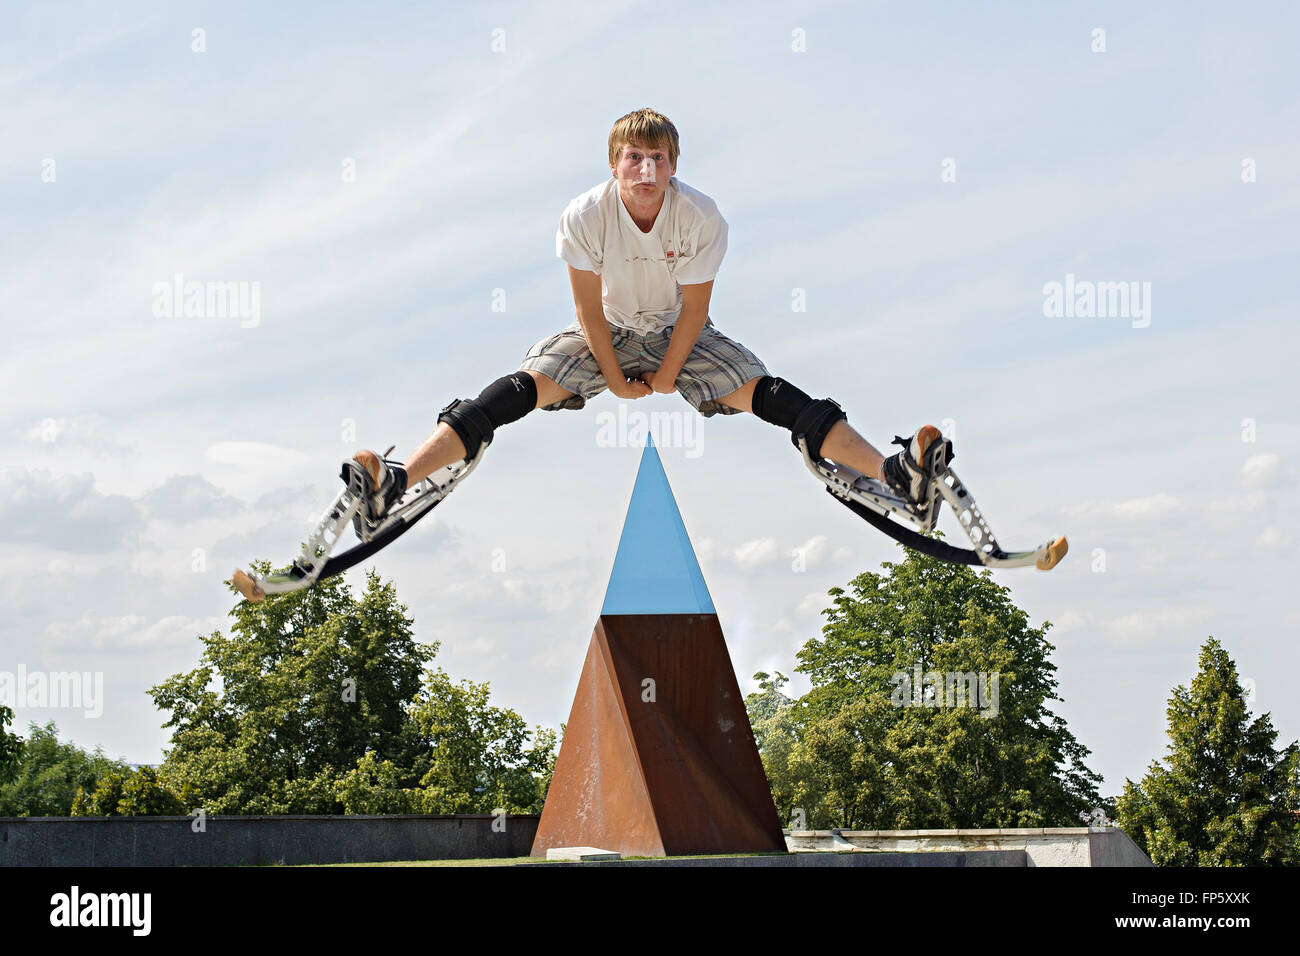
(574, 242)
(701, 261)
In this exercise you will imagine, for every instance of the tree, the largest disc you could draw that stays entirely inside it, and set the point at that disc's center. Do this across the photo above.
(478, 759)
(767, 704)
(309, 683)
(873, 746)
(11, 747)
(774, 719)
(1225, 798)
(136, 793)
(49, 775)
(321, 703)
(473, 758)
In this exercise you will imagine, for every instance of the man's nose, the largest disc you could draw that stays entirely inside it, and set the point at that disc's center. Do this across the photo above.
(648, 171)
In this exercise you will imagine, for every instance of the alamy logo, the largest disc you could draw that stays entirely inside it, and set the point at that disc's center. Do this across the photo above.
(1103, 300)
(102, 909)
(628, 429)
(62, 689)
(208, 300)
(976, 689)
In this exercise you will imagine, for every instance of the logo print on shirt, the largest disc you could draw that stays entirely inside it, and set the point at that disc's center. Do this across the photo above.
(670, 258)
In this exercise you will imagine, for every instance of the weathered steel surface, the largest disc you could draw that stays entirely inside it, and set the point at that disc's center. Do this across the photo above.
(658, 758)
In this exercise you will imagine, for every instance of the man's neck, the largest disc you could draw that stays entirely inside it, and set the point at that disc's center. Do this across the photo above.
(644, 218)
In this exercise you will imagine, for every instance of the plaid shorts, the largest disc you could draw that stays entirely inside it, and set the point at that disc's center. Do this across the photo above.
(717, 365)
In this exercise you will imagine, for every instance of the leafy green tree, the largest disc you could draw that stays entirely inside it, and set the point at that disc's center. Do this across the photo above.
(309, 682)
(377, 786)
(477, 757)
(144, 794)
(876, 750)
(474, 758)
(11, 747)
(322, 703)
(766, 704)
(136, 793)
(774, 719)
(49, 775)
(1225, 797)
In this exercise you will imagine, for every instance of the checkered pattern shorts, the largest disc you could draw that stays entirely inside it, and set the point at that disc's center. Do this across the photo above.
(717, 365)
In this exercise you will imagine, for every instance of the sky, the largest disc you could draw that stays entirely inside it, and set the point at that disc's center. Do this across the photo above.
(904, 184)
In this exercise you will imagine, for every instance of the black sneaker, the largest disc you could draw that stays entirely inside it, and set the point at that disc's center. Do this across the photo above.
(905, 473)
(379, 483)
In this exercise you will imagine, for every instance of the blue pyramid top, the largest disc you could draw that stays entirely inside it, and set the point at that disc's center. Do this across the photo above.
(655, 571)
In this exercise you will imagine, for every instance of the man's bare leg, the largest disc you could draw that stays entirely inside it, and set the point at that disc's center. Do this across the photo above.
(444, 446)
(842, 443)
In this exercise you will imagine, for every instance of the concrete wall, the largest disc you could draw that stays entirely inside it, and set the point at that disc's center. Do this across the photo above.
(1043, 846)
(972, 858)
(254, 840)
(289, 840)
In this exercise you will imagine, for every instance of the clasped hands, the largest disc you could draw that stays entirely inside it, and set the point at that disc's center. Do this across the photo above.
(647, 384)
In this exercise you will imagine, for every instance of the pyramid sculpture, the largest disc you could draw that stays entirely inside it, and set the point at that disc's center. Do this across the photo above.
(658, 758)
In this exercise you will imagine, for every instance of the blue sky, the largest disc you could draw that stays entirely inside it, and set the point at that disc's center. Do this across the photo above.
(131, 440)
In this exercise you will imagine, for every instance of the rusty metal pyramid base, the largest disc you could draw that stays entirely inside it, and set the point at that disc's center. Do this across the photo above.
(658, 758)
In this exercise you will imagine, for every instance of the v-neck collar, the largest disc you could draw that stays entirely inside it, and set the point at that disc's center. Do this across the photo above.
(659, 218)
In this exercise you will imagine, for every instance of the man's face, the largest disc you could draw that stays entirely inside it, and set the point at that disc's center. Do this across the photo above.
(643, 172)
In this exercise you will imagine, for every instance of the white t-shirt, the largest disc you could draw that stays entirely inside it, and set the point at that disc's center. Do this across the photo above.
(642, 272)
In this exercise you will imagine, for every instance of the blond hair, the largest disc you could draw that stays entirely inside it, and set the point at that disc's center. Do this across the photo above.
(646, 128)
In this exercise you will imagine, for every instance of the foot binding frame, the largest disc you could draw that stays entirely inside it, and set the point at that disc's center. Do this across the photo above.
(315, 564)
(909, 523)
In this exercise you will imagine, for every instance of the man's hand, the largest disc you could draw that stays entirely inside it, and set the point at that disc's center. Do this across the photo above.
(628, 387)
(660, 382)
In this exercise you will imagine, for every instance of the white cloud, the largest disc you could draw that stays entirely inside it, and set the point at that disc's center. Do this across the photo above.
(548, 595)
(1175, 622)
(63, 512)
(258, 456)
(1263, 471)
(1153, 506)
(813, 551)
(755, 554)
(129, 632)
(91, 432)
(187, 498)
(1272, 539)
(813, 604)
(1068, 621)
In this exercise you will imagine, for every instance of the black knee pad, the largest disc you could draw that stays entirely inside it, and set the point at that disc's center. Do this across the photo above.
(777, 401)
(506, 400)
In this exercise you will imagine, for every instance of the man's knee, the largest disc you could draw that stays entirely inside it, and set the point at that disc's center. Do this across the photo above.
(506, 400)
(777, 401)
(549, 391)
(742, 398)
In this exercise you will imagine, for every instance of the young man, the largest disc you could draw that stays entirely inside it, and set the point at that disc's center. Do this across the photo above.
(643, 249)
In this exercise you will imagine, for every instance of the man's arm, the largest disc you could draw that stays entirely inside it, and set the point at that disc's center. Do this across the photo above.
(694, 314)
(595, 328)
